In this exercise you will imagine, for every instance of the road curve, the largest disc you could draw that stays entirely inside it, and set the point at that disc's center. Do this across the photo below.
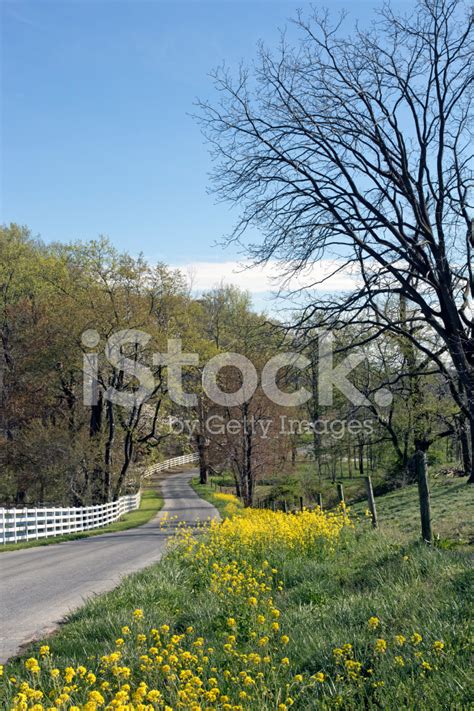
(40, 586)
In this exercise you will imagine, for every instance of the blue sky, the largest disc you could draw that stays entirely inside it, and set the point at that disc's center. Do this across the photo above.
(96, 137)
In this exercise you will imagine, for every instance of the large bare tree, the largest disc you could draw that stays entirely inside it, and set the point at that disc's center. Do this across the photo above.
(355, 147)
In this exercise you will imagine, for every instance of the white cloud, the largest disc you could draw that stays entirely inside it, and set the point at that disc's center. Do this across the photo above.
(325, 275)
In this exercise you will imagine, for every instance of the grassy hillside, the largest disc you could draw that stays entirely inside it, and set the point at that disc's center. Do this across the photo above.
(452, 510)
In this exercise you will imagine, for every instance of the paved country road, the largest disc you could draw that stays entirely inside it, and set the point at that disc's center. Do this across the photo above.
(39, 586)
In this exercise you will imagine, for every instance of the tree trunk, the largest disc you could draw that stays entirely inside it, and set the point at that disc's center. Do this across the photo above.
(128, 447)
(247, 463)
(108, 450)
(313, 404)
(464, 444)
(238, 488)
(95, 429)
(471, 428)
(424, 494)
(20, 496)
(361, 459)
(203, 459)
(202, 443)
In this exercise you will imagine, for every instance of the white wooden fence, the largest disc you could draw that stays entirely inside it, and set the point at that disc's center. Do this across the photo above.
(170, 463)
(30, 524)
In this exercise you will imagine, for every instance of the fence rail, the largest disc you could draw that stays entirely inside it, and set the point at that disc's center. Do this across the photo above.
(30, 524)
(170, 463)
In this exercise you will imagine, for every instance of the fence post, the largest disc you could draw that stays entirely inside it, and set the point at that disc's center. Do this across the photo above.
(424, 494)
(371, 500)
(340, 493)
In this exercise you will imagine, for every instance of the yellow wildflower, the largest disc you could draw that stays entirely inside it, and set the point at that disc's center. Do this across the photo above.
(373, 623)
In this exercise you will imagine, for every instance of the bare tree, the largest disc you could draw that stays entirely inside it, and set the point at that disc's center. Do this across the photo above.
(356, 148)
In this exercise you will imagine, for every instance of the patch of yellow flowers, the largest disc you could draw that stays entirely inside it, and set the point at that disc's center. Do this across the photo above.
(382, 655)
(156, 668)
(255, 531)
(232, 503)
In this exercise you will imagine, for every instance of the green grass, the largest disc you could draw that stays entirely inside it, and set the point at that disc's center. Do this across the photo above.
(150, 504)
(210, 494)
(303, 480)
(452, 509)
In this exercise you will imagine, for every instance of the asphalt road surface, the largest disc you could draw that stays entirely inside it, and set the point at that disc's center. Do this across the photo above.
(40, 586)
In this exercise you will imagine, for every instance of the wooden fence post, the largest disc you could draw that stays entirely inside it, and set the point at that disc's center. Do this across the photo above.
(424, 494)
(371, 500)
(340, 493)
